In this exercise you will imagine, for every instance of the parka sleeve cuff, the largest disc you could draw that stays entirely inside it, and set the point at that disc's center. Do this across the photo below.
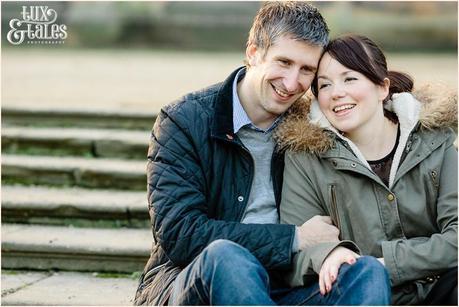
(388, 251)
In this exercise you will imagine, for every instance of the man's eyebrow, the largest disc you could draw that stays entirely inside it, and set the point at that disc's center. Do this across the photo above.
(310, 68)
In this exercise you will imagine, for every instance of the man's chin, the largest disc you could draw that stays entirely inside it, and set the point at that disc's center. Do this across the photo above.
(279, 109)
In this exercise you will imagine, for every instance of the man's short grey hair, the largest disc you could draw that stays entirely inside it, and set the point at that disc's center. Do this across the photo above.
(299, 20)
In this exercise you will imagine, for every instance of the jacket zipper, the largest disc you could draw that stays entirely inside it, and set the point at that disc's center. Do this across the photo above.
(334, 208)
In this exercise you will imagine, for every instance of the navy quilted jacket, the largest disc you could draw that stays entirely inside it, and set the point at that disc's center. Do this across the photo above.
(199, 180)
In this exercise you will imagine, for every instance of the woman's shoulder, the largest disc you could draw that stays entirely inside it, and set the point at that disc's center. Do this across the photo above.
(438, 107)
(438, 116)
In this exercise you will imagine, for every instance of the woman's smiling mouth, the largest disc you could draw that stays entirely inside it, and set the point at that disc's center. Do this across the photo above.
(343, 107)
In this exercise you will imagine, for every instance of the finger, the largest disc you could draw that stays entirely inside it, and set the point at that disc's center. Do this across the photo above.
(334, 273)
(326, 219)
(321, 282)
(327, 282)
(333, 233)
(336, 233)
(351, 260)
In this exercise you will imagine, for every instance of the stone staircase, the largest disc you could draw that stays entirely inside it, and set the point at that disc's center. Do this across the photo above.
(75, 225)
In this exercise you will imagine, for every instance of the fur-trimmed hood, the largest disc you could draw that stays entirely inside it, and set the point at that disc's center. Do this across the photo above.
(305, 129)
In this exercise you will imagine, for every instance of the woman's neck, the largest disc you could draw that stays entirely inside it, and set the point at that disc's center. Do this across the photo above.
(377, 140)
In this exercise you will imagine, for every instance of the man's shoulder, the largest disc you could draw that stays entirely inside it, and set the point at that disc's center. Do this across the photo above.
(195, 105)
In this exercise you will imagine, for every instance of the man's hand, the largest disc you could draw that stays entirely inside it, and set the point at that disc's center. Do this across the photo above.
(318, 229)
(330, 267)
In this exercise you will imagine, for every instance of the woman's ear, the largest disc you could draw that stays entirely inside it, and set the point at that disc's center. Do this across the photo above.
(384, 89)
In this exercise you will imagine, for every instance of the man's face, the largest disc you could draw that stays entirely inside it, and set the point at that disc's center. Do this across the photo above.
(282, 75)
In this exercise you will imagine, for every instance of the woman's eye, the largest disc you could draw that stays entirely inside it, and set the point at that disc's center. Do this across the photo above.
(324, 85)
(350, 79)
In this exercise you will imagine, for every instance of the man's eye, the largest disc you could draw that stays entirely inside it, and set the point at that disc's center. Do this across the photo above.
(284, 62)
(307, 71)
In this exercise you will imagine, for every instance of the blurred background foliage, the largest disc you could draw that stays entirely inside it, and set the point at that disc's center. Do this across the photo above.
(223, 26)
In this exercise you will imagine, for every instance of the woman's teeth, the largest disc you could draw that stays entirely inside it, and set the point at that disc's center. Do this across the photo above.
(343, 107)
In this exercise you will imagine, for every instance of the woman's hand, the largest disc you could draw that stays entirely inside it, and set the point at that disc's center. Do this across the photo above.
(329, 270)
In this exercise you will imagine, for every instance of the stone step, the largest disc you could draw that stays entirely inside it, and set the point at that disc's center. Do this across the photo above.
(46, 117)
(25, 288)
(74, 206)
(73, 171)
(74, 249)
(105, 143)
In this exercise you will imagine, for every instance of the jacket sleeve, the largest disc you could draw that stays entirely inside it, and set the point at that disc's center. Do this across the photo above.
(416, 258)
(300, 202)
(178, 205)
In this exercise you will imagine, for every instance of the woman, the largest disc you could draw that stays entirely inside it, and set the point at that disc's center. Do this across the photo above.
(382, 165)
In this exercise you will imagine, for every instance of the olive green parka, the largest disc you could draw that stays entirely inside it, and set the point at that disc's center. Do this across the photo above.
(412, 223)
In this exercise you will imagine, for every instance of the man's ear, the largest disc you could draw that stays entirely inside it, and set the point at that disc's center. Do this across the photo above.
(252, 54)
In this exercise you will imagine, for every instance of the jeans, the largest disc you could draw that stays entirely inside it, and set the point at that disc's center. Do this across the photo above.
(226, 273)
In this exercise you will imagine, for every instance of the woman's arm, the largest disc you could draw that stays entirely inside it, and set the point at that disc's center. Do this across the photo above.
(420, 257)
(300, 203)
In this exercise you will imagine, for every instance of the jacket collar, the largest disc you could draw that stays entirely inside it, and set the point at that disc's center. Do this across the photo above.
(222, 126)
(404, 105)
(431, 108)
(307, 129)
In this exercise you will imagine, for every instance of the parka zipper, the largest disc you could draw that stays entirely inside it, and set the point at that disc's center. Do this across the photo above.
(334, 207)
(433, 175)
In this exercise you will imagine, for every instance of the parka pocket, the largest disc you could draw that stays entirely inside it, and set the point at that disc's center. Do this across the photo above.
(334, 213)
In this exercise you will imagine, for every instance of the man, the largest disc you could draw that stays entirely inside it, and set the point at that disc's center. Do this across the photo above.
(215, 179)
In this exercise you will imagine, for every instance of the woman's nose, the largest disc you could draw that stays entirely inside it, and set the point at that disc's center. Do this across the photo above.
(338, 91)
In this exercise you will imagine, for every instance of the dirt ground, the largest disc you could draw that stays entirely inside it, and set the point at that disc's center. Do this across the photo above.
(146, 80)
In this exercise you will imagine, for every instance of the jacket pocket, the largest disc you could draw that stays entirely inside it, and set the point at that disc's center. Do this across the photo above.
(334, 213)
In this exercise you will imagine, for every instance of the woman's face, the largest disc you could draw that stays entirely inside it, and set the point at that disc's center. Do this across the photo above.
(348, 99)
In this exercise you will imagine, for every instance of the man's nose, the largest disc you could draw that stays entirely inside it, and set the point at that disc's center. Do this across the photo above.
(292, 81)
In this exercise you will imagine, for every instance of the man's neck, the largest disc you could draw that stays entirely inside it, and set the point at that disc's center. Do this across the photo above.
(259, 117)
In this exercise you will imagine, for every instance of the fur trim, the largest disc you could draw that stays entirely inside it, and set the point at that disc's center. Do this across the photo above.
(439, 106)
(296, 133)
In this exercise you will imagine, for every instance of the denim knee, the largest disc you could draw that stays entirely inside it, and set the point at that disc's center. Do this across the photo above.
(371, 267)
(228, 258)
(366, 282)
(372, 264)
(220, 249)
